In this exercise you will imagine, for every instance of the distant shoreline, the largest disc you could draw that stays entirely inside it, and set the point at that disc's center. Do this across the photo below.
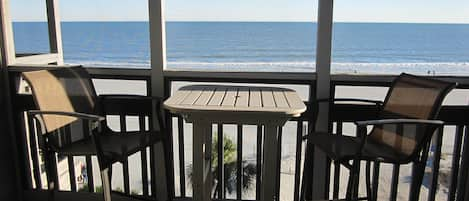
(188, 21)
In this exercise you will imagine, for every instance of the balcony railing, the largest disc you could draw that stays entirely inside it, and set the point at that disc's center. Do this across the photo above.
(133, 117)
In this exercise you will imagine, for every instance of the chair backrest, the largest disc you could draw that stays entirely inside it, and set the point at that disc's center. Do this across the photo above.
(67, 89)
(411, 97)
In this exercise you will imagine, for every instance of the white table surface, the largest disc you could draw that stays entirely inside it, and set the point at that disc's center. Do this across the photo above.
(204, 105)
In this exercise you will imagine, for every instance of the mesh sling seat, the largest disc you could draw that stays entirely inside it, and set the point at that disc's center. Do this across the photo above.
(71, 118)
(401, 134)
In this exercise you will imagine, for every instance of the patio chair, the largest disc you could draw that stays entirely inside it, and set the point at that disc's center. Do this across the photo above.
(72, 122)
(401, 134)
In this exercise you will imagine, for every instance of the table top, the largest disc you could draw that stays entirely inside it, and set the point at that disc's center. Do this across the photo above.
(241, 99)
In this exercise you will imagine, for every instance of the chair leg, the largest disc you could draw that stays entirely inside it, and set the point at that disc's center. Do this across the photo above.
(372, 183)
(375, 181)
(356, 180)
(418, 171)
(353, 183)
(307, 181)
(106, 184)
(348, 194)
(110, 175)
(51, 173)
(369, 192)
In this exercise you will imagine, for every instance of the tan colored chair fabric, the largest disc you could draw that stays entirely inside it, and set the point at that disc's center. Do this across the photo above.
(409, 98)
(50, 96)
(63, 89)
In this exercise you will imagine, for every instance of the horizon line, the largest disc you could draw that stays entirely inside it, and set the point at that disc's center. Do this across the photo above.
(248, 21)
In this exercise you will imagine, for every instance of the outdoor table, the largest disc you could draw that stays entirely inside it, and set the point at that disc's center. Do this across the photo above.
(204, 105)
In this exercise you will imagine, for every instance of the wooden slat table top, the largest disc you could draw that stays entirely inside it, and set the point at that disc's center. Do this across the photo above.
(223, 98)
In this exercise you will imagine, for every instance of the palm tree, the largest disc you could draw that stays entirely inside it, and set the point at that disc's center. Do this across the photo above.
(230, 167)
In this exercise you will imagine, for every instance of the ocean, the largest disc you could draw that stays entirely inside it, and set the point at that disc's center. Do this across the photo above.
(260, 46)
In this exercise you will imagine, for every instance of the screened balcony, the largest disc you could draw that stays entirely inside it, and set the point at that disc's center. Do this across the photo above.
(143, 174)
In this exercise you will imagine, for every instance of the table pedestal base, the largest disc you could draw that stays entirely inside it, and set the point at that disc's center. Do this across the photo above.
(202, 174)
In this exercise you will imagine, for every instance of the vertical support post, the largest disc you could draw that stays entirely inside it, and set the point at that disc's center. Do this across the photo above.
(239, 163)
(323, 83)
(463, 179)
(158, 64)
(269, 163)
(157, 46)
(201, 173)
(55, 31)
(12, 177)
(8, 44)
(220, 165)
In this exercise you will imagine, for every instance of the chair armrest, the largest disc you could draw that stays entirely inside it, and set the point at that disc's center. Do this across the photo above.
(113, 104)
(376, 102)
(70, 114)
(312, 133)
(130, 97)
(119, 99)
(362, 131)
(398, 121)
(361, 125)
(155, 134)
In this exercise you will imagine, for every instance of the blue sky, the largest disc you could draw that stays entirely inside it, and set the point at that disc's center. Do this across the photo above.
(426, 11)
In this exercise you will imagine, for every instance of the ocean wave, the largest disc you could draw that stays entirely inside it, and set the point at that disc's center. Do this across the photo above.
(410, 64)
(433, 68)
(300, 63)
(439, 68)
(337, 67)
(110, 64)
